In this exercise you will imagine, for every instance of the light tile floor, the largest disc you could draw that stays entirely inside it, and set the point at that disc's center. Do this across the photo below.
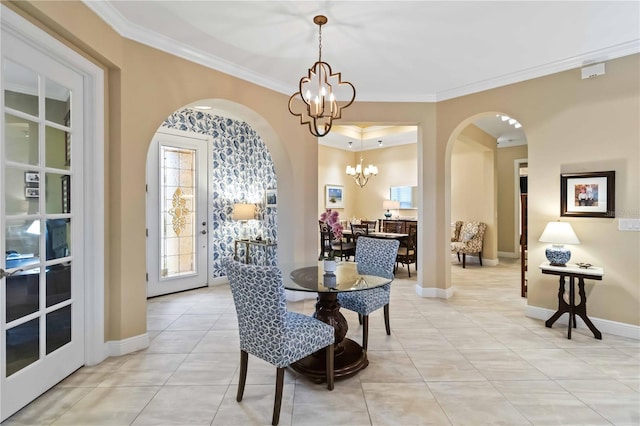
(474, 359)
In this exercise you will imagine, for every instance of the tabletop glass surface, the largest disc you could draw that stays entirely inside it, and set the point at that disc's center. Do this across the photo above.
(301, 277)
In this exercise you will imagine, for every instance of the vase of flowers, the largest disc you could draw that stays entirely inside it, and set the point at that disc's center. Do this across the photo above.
(332, 219)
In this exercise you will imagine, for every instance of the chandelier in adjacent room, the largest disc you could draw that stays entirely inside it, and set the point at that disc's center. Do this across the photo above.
(359, 173)
(319, 90)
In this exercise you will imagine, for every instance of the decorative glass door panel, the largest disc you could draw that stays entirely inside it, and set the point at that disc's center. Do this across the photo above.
(177, 231)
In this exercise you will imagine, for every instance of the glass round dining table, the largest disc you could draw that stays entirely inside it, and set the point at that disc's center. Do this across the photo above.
(350, 357)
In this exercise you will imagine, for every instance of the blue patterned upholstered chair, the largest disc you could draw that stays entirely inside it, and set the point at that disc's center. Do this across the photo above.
(375, 256)
(270, 332)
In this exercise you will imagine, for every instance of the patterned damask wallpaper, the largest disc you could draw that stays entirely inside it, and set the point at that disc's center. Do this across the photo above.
(241, 171)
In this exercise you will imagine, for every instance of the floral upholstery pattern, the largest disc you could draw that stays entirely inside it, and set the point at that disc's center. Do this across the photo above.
(469, 240)
(375, 256)
(267, 330)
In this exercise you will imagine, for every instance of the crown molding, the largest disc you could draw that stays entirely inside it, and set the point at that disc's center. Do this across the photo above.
(134, 32)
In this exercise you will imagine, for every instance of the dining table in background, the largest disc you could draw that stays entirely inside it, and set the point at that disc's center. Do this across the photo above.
(350, 357)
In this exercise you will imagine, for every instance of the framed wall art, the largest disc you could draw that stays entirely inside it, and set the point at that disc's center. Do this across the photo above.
(588, 194)
(270, 198)
(334, 197)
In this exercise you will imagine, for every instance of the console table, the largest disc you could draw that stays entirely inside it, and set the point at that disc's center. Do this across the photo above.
(264, 244)
(573, 272)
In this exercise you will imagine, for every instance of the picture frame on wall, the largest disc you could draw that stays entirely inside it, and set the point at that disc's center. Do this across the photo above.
(270, 198)
(32, 192)
(32, 177)
(588, 194)
(334, 197)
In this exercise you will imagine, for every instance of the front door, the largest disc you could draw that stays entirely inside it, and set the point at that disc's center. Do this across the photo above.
(177, 243)
(41, 219)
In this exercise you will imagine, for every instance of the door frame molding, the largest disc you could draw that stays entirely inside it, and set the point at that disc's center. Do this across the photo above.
(96, 349)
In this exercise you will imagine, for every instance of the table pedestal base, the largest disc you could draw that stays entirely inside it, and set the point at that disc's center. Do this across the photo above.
(349, 357)
(351, 360)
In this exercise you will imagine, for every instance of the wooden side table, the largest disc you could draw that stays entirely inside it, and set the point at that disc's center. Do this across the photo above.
(252, 243)
(573, 272)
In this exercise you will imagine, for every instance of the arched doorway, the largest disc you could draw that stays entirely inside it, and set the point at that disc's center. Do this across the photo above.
(238, 169)
(487, 155)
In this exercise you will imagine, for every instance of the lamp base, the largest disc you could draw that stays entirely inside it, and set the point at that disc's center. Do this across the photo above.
(557, 255)
(387, 214)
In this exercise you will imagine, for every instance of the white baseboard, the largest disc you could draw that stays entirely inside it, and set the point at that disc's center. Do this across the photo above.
(126, 346)
(509, 254)
(605, 326)
(218, 281)
(439, 293)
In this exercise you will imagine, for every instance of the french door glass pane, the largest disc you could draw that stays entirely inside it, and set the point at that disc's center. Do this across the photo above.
(58, 238)
(56, 103)
(23, 345)
(21, 88)
(22, 242)
(58, 195)
(23, 294)
(58, 328)
(21, 140)
(22, 191)
(177, 229)
(58, 283)
(56, 148)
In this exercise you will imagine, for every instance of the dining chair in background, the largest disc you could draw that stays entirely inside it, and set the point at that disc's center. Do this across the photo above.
(408, 250)
(371, 224)
(374, 256)
(358, 229)
(330, 244)
(270, 332)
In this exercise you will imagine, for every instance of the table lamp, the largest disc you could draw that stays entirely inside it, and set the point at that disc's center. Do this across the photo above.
(242, 213)
(390, 205)
(558, 233)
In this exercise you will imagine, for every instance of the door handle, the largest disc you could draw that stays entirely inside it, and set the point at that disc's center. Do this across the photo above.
(4, 274)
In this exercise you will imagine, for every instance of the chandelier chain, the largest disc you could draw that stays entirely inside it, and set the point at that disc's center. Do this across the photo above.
(320, 43)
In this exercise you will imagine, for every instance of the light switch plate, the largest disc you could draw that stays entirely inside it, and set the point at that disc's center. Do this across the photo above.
(629, 225)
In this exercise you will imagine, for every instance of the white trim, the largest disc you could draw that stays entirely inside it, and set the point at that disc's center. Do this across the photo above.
(605, 326)
(215, 281)
(439, 293)
(94, 154)
(126, 29)
(509, 255)
(516, 202)
(128, 345)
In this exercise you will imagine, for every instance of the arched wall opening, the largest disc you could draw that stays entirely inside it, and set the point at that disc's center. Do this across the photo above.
(254, 160)
(482, 184)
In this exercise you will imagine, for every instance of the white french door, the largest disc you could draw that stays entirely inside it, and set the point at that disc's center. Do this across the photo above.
(41, 284)
(177, 224)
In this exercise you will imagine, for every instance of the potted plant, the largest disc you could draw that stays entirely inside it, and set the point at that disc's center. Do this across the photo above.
(332, 219)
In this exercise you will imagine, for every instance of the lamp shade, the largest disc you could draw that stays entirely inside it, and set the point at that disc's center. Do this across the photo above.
(390, 205)
(244, 211)
(558, 233)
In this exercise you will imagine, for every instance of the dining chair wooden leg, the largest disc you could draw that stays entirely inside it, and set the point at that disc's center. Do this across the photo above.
(365, 332)
(244, 358)
(386, 319)
(330, 372)
(278, 400)
(360, 319)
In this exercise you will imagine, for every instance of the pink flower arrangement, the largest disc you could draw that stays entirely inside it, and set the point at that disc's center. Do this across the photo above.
(331, 218)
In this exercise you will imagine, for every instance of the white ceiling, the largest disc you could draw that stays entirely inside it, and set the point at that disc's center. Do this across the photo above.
(423, 51)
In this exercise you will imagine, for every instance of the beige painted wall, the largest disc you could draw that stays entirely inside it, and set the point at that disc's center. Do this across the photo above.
(396, 166)
(508, 201)
(571, 125)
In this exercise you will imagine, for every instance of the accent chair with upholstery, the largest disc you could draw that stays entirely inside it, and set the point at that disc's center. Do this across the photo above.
(469, 240)
(329, 243)
(375, 256)
(270, 332)
(408, 250)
